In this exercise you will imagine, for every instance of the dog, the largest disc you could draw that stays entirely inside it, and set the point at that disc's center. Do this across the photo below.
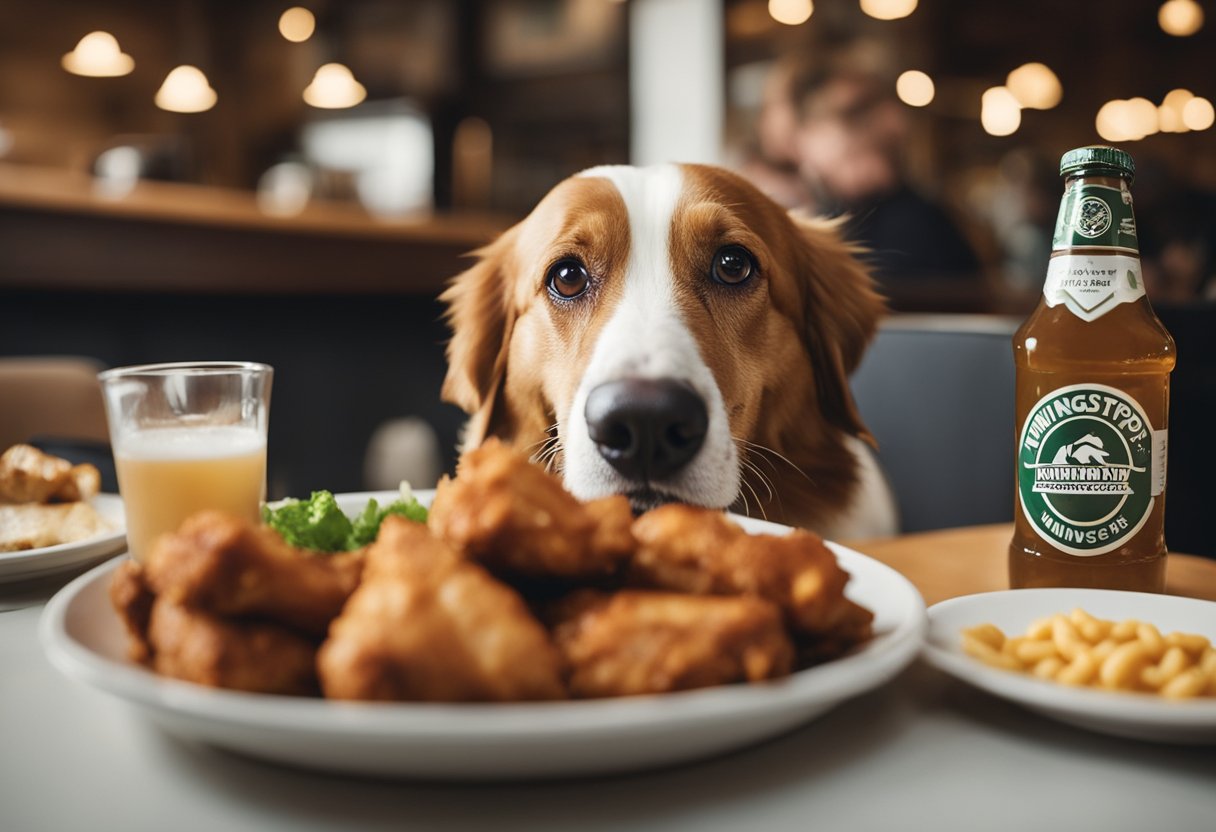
(671, 334)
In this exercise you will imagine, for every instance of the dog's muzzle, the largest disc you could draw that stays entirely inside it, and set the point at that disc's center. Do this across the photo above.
(647, 429)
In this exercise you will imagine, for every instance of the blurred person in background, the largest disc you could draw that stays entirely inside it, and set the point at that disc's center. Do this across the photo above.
(770, 161)
(1020, 206)
(848, 136)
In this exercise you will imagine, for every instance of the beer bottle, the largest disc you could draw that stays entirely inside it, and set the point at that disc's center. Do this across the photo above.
(1093, 365)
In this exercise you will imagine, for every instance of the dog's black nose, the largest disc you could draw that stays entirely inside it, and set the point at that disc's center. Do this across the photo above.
(646, 428)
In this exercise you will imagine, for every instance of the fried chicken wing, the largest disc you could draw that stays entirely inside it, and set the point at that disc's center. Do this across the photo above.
(256, 657)
(83, 483)
(697, 550)
(33, 525)
(427, 625)
(854, 626)
(132, 600)
(227, 566)
(513, 516)
(27, 475)
(636, 642)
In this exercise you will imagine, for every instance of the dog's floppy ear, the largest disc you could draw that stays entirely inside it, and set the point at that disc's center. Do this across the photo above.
(842, 310)
(481, 317)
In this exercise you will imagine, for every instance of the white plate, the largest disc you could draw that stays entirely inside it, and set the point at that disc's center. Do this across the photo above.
(1142, 716)
(83, 639)
(36, 563)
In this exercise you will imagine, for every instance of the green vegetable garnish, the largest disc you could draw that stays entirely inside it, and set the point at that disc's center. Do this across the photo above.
(318, 524)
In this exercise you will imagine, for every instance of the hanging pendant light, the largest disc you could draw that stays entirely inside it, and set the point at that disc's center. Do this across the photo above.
(334, 88)
(297, 24)
(185, 90)
(98, 55)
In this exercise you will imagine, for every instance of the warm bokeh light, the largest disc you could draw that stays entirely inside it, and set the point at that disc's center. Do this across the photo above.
(1198, 114)
(791, 12)
(1180, 18)
(1170, 120)
(98, 56)
(1169, 114)
(297, 24)
(1109, 121)
(334, 88)
(1035, 86)
(888, 9)
(185, 90)
(1143, 115)
(1127, 121)
(1000, 114)
(914, 88)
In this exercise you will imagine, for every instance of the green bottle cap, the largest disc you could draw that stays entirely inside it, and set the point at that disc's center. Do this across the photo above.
(1098, 157)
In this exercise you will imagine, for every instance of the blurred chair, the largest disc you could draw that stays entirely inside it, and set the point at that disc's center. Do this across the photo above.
(937, 392)
(55, 403)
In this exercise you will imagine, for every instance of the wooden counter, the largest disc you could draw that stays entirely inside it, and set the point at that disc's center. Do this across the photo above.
(59, 232)
(952, 562)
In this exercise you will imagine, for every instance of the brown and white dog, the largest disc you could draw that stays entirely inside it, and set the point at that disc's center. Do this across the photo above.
(670, 333)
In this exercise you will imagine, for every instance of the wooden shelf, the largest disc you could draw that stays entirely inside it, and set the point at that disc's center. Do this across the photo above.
(58, 231)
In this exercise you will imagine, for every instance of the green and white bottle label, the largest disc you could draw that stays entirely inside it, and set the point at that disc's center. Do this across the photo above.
(1089, 468)
(1090, 284)
(1098, 216)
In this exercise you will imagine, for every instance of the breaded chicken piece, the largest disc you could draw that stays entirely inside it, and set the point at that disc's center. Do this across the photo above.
(688, 549)
(227, 566)
(27, 475)
(132, 600)
(636, 642)
(83, 483)
(427, 625)
(855, 626)
(513, 516)
(251, 656)
(33, 525)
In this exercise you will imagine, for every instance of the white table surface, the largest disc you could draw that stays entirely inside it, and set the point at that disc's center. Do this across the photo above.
(924, 752)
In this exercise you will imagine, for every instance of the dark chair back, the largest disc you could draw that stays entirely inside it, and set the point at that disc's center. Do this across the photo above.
(937, 393)
(1191, 472)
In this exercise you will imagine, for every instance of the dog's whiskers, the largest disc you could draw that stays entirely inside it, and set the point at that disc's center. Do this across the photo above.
(751, 468)
(759, 504)
(550, 448)
(747, 512)
(760, 475)
(541, 444)
(764, 451)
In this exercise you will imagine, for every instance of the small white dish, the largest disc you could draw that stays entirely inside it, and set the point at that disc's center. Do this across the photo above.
(83, 639)
(29, 564)
(1137, 715)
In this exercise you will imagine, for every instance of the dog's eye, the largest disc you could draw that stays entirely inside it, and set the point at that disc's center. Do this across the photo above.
(567, 278)
(732, 265)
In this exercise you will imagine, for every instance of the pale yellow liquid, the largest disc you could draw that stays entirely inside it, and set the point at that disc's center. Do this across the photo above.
(166, 475)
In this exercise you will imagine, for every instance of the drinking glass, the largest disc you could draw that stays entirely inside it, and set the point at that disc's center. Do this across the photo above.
(187, 437)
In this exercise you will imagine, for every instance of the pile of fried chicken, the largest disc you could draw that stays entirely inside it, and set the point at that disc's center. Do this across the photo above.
(513, 590)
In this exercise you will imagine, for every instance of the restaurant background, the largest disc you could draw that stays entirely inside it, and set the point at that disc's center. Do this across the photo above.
(210, 179)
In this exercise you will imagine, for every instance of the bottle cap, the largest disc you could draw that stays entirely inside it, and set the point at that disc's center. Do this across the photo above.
(1098, 157)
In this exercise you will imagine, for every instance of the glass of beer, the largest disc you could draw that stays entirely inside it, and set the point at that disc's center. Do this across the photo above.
(187, 437)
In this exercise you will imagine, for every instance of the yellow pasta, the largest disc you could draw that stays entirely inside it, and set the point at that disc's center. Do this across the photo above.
(1083, 651)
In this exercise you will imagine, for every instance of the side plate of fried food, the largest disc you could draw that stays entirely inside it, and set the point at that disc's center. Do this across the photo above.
(518, 634)
(1109, 644)
(52, 517)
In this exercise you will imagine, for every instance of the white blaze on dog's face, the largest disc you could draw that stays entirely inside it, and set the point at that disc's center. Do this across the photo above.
(647, 336)
(647, 328)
